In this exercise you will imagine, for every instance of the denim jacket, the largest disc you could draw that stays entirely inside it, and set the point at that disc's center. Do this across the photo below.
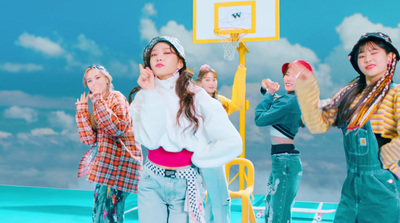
(283, 113)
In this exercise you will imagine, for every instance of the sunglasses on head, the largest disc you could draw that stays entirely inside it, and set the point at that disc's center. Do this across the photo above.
(97, 67)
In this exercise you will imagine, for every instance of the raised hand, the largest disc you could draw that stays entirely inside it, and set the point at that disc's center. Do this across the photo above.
(95, 96)
(265, 83)
(146, 78)
(305, 74)
(271, 86)
(84, 98)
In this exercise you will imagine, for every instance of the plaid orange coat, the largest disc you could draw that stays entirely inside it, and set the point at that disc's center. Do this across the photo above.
(115, 159)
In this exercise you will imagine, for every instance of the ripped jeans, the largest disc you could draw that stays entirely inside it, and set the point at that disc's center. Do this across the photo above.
(282, 187)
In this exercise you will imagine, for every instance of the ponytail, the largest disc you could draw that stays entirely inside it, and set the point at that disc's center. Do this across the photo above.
(132, 92)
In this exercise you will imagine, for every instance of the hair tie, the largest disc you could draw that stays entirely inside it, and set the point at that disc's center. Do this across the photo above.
(205, 66)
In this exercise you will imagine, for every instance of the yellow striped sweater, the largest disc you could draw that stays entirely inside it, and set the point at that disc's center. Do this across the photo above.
(385, 121)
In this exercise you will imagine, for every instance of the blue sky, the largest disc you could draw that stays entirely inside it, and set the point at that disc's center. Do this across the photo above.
(46, 45)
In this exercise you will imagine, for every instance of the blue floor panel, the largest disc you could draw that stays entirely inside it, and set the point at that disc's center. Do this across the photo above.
(38, 205)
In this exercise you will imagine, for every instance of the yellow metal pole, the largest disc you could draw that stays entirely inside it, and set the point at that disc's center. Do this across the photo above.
(242, 49)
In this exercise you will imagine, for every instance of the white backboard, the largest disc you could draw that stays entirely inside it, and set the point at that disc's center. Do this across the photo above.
(259, 17)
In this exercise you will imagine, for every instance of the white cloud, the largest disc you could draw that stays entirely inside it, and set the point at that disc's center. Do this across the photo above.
(316, 193)
(148, 29)
(172, 28)
(29, 172)
(323, 75)
(304, 134)
(354, 26)
(43, 132)
(88, 45)
(19, 98)
(266, 58)
(149, 10)
(40, 44)
(39, 137)
(116, 68)
(134, 67)
(4, 135)
(73, 63)
(42, 136)
(254, 134)
(60, 118)
(15, 112)
(16, 67)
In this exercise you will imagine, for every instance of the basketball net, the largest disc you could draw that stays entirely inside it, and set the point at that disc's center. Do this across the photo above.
(230, 37)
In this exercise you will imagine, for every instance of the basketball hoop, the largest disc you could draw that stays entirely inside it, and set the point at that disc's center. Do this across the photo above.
(230, 37)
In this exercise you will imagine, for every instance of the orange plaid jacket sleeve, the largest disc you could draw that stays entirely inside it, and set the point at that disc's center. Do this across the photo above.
(112, 164)
(86, 133)
(112, 119)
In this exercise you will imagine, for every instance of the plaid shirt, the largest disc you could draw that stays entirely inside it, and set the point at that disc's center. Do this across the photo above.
(108, 162)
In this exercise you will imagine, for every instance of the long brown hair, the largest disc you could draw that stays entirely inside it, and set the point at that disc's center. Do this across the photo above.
(186, 97)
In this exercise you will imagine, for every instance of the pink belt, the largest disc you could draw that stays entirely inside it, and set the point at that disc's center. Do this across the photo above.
(170, 159)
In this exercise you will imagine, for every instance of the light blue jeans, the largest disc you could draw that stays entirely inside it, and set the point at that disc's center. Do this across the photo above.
(218, 201)
(282, 187)
(162, 199)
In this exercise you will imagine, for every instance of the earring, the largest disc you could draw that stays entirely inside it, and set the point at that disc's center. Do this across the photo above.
(390, 62)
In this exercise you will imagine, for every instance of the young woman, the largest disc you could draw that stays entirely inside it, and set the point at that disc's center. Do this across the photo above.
(114, 160)
(367, 110)
(218, 200)
(283, 114)
(183, 128)
(208, 80)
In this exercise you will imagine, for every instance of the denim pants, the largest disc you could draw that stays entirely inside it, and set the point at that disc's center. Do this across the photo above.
(162, 199)
(108, 205)
(370, 193)
(282, 187)
(218, 204)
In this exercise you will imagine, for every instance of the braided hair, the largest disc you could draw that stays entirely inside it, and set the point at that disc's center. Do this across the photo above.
(372, 95)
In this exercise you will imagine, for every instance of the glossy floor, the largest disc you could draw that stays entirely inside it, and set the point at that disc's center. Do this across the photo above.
(34, 205)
